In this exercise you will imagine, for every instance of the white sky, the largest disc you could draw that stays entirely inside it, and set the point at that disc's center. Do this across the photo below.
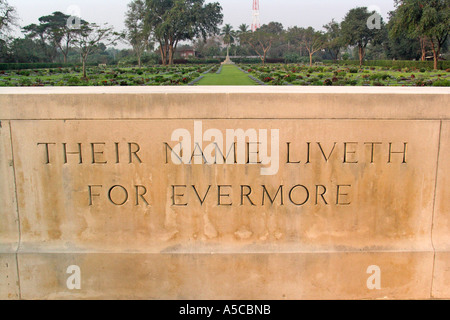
(302, 13)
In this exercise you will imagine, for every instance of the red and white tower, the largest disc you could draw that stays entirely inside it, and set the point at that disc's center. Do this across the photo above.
(256, 24)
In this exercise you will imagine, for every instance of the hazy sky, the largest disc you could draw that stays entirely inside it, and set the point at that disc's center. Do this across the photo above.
(302, 13)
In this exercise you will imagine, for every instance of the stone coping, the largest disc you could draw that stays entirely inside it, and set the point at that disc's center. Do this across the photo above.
(254, 102)
(225, 89)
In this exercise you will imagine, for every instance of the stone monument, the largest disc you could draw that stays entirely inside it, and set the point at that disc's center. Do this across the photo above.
(224, 193)
(228, 59)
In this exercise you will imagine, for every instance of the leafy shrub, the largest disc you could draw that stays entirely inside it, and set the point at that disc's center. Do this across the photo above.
(25, 82)
(318, 83)
(380, 76)
(422, 83)
(23, 66)
(290, 78)
(395, 64)
(441, 83)
(277, 82)
(73, 81)
(24, 73)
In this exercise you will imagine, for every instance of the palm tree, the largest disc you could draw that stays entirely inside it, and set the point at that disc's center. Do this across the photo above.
(228, 36)
(243, 28)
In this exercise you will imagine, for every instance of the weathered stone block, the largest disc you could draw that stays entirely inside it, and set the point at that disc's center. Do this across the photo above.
(279, 193)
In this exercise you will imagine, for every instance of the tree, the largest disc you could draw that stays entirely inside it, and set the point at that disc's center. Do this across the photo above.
(425, 20)
(40, 32)
(26, 51)
(228, 36)
(313, 41)
(59, 32)
(172, 21)
(355, 30)
(207, 47)
(90, 37)
(293, 36)
(403, 46)
(8, 17)
(262, 39)
(53, 33)
(137, 33)
(243, 28)
(334, 39)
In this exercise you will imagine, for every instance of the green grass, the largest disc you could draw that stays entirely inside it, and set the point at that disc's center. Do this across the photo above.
(182, 75)
(230, 76)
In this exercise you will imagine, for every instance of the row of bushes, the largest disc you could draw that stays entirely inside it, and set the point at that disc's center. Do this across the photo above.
(26, 66)
(443, 65)
(236, 60)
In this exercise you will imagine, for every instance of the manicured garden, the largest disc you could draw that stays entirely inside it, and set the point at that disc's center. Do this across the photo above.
(215, 74)
(333, 75)
(104, 76)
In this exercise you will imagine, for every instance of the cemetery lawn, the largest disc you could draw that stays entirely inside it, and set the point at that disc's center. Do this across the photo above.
(229, 76)
(334, 75)
(100, 76)
(269, 74)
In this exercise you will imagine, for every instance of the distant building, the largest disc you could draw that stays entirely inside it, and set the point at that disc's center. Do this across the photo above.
(186, 53)
(431, 58)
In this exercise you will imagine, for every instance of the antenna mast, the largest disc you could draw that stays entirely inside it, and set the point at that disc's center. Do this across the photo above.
(256, 24)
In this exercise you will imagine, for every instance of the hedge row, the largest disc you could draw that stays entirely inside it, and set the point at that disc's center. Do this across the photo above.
(236, 60)
(25, 66)
(443, 65)
(195, 61)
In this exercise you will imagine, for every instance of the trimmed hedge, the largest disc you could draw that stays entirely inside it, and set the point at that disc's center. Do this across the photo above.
(235, 60)
(258, 60)
(443, 65)
(194, 61)
(25, 66)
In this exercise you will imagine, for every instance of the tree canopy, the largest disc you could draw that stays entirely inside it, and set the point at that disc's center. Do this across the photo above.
(89, 38)
(416, 29)
(263, 38)
(8, 17)
(138, 33)
(426, 20)
(355, 30)
(172, 21)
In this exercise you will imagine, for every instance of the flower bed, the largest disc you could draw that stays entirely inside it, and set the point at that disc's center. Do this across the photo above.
(301, 75)
(146, 76)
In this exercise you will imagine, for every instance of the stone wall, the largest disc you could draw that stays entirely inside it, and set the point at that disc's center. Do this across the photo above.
(351, 200)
